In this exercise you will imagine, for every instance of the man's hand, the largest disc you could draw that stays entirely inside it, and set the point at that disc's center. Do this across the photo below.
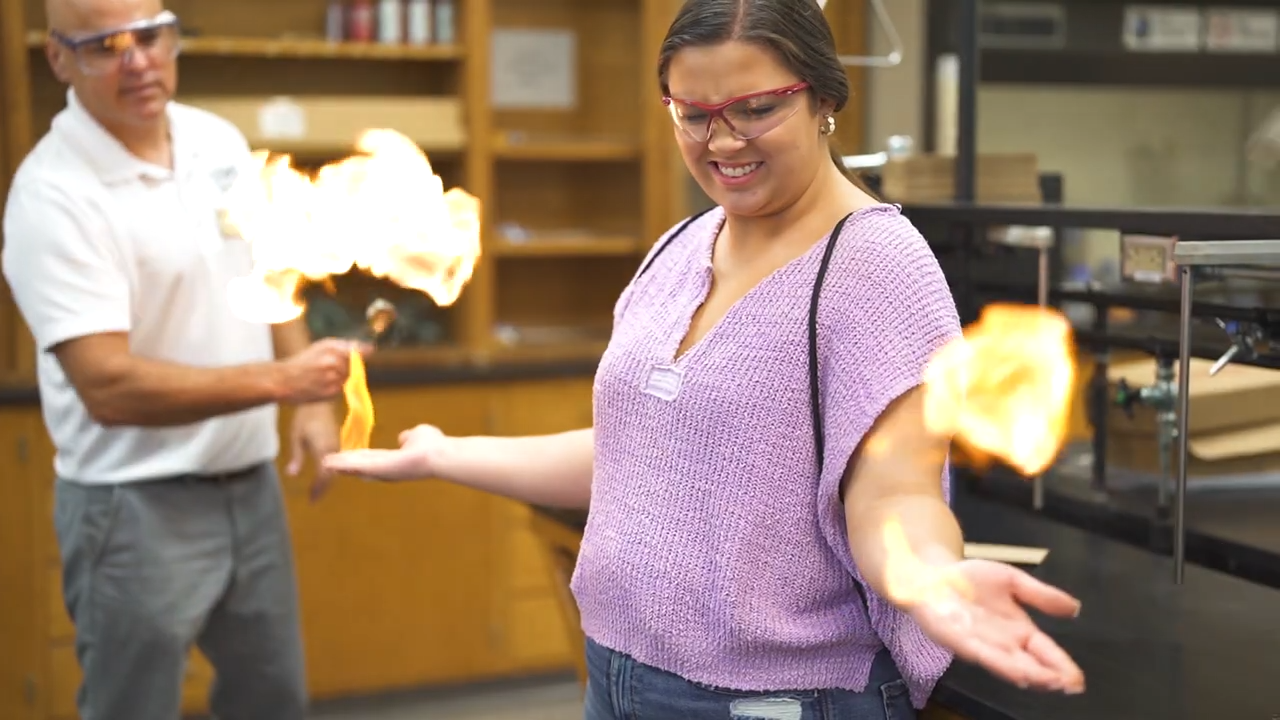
(314, 432)
(318, 372)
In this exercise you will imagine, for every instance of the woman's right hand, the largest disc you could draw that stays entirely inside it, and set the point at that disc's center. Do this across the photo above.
(418, 457)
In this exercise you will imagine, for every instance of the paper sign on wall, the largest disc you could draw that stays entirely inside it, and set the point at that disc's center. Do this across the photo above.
(1247, 30)
(1162, 28)
(282, 119)
(534, 69)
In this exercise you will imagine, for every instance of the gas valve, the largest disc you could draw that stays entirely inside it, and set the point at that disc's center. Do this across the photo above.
(1159, 396)
(1245, 339)
(1162, 397)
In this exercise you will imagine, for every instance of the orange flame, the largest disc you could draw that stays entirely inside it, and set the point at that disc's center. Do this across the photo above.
(358, 425)
(1005, 389)
(1002, 391)
(384, 212)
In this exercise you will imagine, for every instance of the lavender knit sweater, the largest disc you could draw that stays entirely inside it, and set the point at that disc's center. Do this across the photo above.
(713, 550)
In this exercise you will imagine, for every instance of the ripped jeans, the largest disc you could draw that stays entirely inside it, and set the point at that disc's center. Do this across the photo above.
(619, 688)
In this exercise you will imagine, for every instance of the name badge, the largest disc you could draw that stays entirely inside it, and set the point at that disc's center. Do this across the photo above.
(224, 177)
(664, 382)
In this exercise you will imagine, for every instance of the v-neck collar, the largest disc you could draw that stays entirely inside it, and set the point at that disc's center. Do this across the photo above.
(706, 273)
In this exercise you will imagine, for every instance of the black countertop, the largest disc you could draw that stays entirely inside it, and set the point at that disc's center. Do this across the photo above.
(20, 394)
(1206, 650)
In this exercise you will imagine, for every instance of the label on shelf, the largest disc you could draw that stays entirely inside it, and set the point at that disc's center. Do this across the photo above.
(1148, 259)
(1252, 30)
(1162, 28)
(282, 119)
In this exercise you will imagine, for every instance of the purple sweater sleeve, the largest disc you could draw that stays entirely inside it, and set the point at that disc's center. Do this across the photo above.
(886, 309)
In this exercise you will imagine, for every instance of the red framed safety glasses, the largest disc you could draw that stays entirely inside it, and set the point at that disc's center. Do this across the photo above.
(747, 116)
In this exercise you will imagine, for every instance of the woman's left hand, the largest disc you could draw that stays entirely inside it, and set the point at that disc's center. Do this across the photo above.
(978, 615)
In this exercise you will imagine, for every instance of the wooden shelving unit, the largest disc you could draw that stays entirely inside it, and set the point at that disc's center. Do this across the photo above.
(587, 183)
(299, 48)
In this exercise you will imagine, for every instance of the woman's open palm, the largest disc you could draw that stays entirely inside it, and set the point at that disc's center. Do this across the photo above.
(982, 620)
(415, 459)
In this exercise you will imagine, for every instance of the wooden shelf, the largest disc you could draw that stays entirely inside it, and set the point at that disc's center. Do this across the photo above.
(300, 48)
(435, 356)
(307, 150)
(564, 149)
(567, 247)
(580, 351)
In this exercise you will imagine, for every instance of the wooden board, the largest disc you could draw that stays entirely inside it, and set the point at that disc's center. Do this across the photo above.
(1005, 553)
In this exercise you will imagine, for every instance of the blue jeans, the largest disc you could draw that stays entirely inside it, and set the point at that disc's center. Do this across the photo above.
(619, 688)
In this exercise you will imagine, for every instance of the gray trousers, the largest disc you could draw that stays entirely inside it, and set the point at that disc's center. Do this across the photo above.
(150, 568)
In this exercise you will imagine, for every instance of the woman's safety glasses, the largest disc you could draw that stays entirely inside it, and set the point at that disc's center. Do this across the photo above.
(102, 52)
(747, 116)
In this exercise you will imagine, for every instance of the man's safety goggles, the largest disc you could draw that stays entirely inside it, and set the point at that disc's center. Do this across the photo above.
(102, 52)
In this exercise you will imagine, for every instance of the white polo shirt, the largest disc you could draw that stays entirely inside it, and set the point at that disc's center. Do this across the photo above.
(99, 241)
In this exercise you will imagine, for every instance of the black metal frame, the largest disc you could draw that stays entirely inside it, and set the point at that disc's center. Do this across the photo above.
(957, 232)
(1092, 54)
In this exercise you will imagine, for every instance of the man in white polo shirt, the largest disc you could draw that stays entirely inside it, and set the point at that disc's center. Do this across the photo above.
(160, 401)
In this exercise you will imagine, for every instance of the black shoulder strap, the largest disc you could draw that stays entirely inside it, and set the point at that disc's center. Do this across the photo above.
(667, 242)
(815, 396)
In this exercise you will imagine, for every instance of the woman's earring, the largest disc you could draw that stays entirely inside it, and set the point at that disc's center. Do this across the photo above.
(830, 127)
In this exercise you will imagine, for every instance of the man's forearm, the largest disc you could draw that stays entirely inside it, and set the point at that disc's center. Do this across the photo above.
(933, 537)
(136, 391)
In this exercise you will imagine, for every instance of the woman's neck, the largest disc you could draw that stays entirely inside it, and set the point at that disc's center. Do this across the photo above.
(827, 199)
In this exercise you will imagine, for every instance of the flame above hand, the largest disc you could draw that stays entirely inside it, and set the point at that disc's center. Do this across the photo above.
(384, 212)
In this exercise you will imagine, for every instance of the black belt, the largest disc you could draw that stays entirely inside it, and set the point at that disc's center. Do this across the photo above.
(228, 476)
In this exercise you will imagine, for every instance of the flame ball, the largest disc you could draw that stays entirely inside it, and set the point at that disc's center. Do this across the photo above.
(384, 212)
(1005, 388)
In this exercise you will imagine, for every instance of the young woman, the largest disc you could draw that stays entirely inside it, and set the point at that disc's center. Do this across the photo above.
(758, 425)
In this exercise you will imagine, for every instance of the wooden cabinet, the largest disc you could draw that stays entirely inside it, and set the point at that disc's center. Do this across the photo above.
(402, 585)
(392, 575)
(524, 600)
(23, 555)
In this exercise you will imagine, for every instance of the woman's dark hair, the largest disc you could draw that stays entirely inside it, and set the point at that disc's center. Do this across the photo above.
(794, 30)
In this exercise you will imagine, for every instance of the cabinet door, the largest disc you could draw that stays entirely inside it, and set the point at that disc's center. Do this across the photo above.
(533, 635)
(22, 676)
(394, 577)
